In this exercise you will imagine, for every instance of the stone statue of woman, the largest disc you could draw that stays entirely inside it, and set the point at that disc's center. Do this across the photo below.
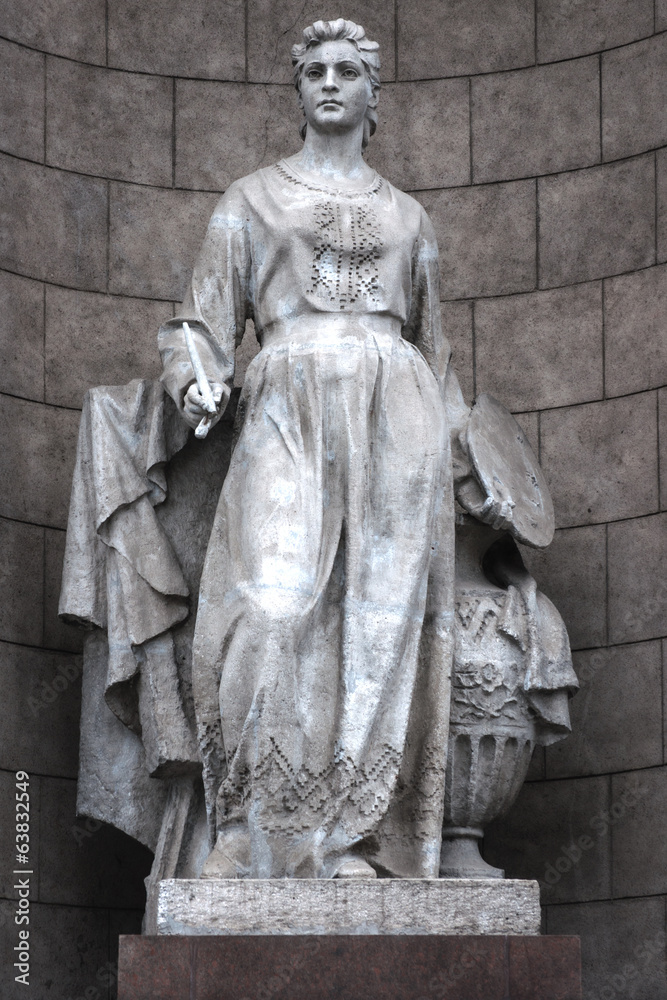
(323, 642)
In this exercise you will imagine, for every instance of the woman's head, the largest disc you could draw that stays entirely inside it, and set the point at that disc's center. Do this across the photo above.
(333, 40)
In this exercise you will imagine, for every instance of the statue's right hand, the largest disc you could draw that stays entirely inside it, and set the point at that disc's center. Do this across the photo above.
(194, 409)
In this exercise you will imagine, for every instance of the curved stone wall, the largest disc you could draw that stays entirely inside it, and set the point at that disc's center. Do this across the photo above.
(532, 133)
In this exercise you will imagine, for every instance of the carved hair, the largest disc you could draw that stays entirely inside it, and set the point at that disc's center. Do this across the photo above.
(342, 30)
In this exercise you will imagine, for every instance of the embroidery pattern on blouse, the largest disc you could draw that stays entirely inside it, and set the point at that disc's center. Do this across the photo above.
(346, 253)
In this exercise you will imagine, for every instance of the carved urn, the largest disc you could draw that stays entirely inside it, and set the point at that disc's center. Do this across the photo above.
(509, 690)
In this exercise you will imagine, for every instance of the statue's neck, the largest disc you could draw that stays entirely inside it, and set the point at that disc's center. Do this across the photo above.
(335, 158)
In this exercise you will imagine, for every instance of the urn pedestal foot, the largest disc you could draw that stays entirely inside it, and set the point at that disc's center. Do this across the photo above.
(460, 857)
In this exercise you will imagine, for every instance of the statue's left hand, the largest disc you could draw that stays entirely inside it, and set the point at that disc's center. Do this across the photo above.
(497, 513)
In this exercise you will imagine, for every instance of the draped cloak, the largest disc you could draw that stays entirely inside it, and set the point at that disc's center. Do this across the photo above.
(324, 635)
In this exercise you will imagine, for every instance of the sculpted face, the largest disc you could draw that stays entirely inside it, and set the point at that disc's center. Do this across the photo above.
(335, 89)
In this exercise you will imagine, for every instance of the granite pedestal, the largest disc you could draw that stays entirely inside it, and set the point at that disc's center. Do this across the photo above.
(319, 939)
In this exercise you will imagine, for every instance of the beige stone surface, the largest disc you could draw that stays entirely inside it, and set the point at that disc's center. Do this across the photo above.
(21, 582)
(547, 819)
(108, 123)
(21, 336)
(486, 238)
(37, 461)
(530, 424)
(94, 339)
(354, 906)
(637, 580)
(457, 328)
(155, 236)
(72, 28)
(179, 37)
(536, 121)
(21, 101)
(44, 688)
(85, 864)
(635, 307)
(596, 222)
(621, 691)
(661, 207)
(263, 120)
(634, 93)
(660, 15)
(566, 29)
(662, 457)
(572, 573)
(274, 28)
(432, 116)
(638, 843)
(71, 212)
(622, 945)
(542, 349)
(455, 37)
(57, 634)
(601, 459)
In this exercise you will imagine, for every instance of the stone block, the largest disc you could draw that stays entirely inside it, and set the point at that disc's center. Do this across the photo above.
(57, 634)
(72, 28)
(385, 906)
(372, 967)
(21, 581)
(85, 862)
(530, 425)
(621, 692)
(431, 117)
(43, 689)
(622, 946)
(203, 38)
(661, 15)
(536, 121)
(70, 957)
(53, 224)
(37, 460)
(262, 122)
(634, 93)
(662, 434)
(566, 28)
(8, 793)
(596, 222)
(22, 336)
(600, 459)
(21, 101)
(154, 239)
(457, 37)
(635, 306)
(555, 832)
(457, 328)
(94, 339)
(637, 818)
(274, 28)
(637, 581)
(542, 349)
(486, 237)
(105, 122)
(572, 572)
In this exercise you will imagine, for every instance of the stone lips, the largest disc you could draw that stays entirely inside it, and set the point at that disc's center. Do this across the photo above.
(506, 465)
(341, 906)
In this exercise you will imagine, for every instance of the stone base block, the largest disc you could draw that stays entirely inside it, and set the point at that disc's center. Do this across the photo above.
(339, 906)
(354, 967)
